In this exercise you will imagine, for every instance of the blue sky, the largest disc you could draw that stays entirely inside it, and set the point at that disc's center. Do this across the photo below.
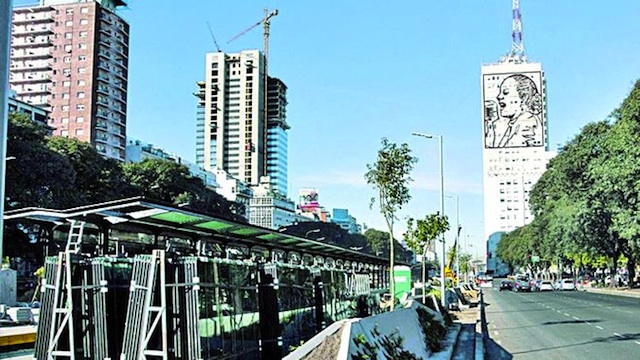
(358, 71)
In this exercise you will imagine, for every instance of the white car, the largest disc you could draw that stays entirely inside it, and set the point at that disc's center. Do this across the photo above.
(567, 284)
(545, 285)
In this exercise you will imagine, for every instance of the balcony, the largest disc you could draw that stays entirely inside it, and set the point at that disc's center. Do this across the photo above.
(35, 43)
(121, 134)
(43, 18)
(30, 54)
(101, 125)
(104, 41)
(29, 79)
(33, 31)
(103, 90)
(103, 115)
(30, 67)
(35, 91)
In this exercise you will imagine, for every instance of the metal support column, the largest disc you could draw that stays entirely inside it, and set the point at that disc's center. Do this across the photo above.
(318, 290)
(270, 337)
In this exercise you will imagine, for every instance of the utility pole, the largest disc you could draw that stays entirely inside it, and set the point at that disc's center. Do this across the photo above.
(5, 48)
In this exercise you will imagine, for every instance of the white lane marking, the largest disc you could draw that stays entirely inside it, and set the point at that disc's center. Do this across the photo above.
(559, 312)
(629, 312)
(609, 307)
(575, 318)
(637, 342)
(565, 314)
(599, 327)
(618, 335)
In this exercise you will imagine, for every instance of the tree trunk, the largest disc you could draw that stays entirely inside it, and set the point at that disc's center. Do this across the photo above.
(631, 268)
(392, 262)
(614, 270)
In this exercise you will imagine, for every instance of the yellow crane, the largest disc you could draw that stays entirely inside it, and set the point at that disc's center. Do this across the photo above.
(266, 22)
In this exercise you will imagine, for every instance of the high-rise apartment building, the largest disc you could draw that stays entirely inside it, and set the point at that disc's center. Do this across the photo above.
(71, 58)
(231, 131)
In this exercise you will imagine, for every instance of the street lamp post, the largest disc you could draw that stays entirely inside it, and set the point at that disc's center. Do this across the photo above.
(5, 46)
(442, 279)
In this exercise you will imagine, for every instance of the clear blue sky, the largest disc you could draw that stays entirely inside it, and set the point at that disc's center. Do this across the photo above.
(358, 71)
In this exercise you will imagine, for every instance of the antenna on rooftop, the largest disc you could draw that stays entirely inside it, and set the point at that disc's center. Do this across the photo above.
(517, 45)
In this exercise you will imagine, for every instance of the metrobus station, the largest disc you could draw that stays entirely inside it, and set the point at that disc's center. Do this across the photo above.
(137, 278)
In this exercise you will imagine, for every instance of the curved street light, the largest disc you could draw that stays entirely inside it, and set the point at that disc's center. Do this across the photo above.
(311, 231)
(442, 262)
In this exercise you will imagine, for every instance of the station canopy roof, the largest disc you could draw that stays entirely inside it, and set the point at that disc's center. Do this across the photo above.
(137, 214)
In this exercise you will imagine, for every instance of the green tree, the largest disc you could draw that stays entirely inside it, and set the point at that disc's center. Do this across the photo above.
(389, 175)
(618, 175)
(378, 242)
(171, 182)
(421, 234)
(98, 179)
(37, 176)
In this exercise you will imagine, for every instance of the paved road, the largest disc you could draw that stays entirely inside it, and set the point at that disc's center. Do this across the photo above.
(562, 325)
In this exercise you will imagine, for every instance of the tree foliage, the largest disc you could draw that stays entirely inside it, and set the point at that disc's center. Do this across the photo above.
(389, 175)
(421, 233)
(59, 172)
(587, 203)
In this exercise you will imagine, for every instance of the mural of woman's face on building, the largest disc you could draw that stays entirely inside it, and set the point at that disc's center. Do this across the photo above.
(509, 99)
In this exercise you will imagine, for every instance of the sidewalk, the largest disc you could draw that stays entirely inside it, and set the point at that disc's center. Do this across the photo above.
(623, 291)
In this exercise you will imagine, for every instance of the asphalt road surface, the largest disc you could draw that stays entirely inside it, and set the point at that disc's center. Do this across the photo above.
(561, 325)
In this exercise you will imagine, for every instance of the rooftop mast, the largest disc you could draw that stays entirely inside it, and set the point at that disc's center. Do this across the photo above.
(517, 45)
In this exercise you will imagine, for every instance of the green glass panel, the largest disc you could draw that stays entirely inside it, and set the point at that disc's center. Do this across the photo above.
(214, 225)
(177, 217)
(246, 231)
(270, 237)
(289, 241)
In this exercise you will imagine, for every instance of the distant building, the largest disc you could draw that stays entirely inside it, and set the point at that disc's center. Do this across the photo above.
(138, 151)
(270, 209)
(233, 189)
(342, 218)
(494, 263)
(35, 113)
(71, 57)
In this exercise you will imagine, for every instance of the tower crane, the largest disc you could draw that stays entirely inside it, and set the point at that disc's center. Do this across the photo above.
(213, 37)
(266, 23)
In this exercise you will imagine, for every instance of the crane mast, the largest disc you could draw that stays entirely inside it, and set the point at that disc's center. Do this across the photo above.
(266, 23)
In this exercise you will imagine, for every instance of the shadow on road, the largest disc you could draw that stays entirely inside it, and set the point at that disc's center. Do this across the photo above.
(622, 337)
(562, 322)
(494, 351)
(538, 310)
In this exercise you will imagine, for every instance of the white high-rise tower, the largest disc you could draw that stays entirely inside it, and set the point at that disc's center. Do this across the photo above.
(515, 138)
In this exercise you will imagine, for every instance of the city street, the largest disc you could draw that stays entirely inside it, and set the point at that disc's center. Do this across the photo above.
(562, 325)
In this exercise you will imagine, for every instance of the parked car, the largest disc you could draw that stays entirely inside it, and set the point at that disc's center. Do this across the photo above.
(568, 284)
(506, 285)
(545, 285)
(521, 285)
(535, 284)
